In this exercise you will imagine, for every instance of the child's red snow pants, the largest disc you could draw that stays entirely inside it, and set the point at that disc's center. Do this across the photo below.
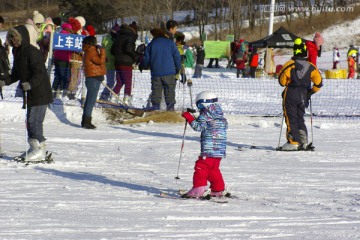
(207, 169)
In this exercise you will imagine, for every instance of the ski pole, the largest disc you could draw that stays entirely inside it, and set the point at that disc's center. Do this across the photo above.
(25, 106)
(113, 93)
(181, 151)
(182, 144)
(282, 122)
(311, 123)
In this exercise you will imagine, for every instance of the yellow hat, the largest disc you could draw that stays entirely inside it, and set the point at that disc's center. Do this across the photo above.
(299, 48)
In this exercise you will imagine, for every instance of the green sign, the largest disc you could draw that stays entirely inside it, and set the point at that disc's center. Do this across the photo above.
(217, 49)
(230, 38)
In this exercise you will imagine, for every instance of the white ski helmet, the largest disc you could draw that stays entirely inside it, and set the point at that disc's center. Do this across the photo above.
(205, 98)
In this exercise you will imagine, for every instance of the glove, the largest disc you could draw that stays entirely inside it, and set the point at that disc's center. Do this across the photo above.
(310, 92)
(188, 116)
(183, 78)
(2, 83)
(26, 86)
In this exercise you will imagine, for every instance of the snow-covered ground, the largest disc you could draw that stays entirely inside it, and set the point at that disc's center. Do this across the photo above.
(105, 183)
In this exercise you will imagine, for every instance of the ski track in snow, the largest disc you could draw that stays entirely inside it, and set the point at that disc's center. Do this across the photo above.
(103, 184)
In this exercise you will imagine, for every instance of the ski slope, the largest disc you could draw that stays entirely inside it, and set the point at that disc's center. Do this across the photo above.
(105, 183)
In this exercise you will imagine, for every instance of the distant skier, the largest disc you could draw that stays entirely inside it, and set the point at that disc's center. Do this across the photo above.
(351, 66)
(336, 58)
(253, 62)
(297, 75)
(29, 68)
(213, 126)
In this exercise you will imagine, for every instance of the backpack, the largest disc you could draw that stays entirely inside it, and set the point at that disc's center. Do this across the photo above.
(241, 51)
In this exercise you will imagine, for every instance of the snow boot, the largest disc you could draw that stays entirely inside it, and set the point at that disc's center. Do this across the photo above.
(127, 100)
(290, 147)
(197, 192)
(43, 149)
(86, 123)
(35, 153)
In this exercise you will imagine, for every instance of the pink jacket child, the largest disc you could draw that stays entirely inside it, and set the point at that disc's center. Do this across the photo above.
(61, 54)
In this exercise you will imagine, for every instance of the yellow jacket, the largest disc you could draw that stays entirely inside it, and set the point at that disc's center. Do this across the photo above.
(315, 77)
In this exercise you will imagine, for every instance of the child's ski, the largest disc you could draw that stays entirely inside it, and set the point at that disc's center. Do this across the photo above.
(179, 197)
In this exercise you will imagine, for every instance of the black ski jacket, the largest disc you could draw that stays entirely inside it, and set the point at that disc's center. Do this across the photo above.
(123, 48)
(28, 66)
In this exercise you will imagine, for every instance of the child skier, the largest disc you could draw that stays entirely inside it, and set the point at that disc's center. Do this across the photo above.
(212, 125)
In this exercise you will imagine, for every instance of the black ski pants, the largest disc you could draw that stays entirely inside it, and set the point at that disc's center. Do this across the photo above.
(294, 99)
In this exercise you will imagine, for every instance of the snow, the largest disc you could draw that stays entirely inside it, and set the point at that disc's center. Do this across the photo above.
(105, 183)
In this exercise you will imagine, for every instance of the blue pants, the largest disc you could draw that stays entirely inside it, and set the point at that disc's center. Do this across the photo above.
(61, 75)
(35, 119)
(93, 86)
(198, 71)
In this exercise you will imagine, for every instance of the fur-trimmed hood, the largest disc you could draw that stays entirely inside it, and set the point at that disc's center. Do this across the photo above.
(19, 35)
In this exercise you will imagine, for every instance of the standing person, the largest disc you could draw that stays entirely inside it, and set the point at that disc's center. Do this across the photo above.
(164, 60)
(94, 69)
(336, 58)
(34, 27)
(125, 56)
(253, 62)
(297, 75)
(171, 28)
(107, 42)
(46, 29)
(29, 68)
(200, 58)
(213, 126)
(62, 66)
(75, 62)
(241, 59)
(179, 41)
(314, 48)
(351, 66)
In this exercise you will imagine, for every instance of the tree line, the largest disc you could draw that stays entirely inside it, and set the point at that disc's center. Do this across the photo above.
(232, 15)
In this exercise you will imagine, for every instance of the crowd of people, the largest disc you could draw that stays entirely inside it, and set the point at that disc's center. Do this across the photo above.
(166, 56)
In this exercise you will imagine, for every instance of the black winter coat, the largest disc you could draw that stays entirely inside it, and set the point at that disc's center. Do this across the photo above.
(29, 67)
(123, 48)
(200, 55)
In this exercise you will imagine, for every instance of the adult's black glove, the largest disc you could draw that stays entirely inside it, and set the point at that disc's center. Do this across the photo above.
(310, 92)
(183, 78)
